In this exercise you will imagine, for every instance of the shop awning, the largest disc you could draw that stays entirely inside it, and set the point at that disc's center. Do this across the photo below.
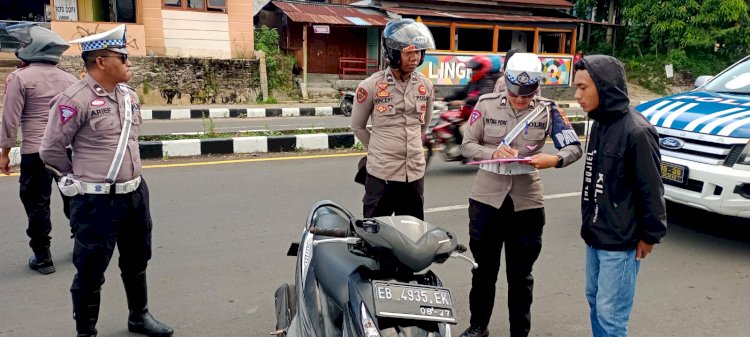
(331, 14)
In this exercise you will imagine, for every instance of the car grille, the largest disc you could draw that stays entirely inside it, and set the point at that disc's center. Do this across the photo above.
(703, 150)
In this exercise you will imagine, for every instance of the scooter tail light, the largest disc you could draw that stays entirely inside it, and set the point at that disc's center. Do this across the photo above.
(368, 325)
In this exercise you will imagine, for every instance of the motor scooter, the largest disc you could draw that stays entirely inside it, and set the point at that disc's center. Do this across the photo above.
(346, 102)
(367, 278)
(443, 132)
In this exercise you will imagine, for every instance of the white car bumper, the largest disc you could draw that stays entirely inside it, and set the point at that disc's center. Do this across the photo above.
(712, 188)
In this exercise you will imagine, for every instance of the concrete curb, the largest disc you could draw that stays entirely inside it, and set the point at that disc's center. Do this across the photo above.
(174, 114)
(257, 144)
(162, 114)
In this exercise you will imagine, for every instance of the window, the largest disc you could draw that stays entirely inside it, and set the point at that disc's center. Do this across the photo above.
(196, 5)
(442, 36)
(551, 43)
(474, 39)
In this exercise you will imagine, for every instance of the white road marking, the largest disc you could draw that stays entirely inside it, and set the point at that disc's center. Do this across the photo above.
(465, 206)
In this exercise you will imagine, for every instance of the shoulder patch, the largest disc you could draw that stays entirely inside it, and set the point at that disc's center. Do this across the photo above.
(7, 80)
(475, 115)
(563, 116)
(361, 95)
(66, 113)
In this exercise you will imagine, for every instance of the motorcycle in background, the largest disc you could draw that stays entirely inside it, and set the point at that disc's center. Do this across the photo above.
(361, 278)
(443, 132)
(346, 102)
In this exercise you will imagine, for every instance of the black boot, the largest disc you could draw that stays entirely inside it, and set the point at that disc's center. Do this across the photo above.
(475, 331)
(41, 262)
(86, 312)
(140, 320)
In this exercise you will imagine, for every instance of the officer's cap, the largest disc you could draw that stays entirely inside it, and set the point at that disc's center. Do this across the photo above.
(113, 40)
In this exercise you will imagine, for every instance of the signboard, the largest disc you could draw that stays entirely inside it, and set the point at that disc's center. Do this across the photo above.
(450, 68)
(322, 29)
(66, 10)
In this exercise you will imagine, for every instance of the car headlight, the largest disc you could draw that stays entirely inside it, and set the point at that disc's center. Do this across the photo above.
(745, 156)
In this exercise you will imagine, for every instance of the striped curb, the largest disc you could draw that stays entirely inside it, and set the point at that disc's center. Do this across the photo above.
(162, 114)
(258, 144)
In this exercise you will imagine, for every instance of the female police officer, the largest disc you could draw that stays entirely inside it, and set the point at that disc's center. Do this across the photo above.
(399, 101)
(506, 202)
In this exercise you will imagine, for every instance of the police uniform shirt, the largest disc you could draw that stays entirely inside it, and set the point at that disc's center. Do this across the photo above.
(28, 92)
(91, 119)
(399, 115)
(492, 119)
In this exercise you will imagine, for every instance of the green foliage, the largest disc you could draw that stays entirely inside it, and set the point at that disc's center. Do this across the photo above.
(278, 64)
(698, 37)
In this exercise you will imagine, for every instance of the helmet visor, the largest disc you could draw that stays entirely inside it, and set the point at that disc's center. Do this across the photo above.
(412, 36)
(21, 32)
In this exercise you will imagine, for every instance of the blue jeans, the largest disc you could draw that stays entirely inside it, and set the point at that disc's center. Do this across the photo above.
(610, 288)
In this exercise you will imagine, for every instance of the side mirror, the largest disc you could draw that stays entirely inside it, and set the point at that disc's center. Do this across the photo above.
(701, 80)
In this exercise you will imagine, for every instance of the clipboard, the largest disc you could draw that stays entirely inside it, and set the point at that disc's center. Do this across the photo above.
(524, 160)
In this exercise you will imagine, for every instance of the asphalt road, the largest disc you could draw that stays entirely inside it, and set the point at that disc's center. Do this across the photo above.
(163, 127)
(221, 233)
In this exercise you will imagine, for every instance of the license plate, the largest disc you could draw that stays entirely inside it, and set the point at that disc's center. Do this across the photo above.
(674, 173)
(410, 301)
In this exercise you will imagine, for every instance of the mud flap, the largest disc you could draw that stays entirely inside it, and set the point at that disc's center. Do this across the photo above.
(286, 307)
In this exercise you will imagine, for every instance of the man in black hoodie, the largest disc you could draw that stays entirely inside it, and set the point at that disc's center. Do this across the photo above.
(622, 205)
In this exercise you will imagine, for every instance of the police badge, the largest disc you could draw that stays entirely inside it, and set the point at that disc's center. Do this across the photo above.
(523, 78)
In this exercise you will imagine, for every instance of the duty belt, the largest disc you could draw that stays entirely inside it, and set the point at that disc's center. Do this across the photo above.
(105, 188)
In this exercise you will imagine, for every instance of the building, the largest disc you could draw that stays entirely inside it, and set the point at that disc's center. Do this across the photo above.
(327, 32)
(178, 28)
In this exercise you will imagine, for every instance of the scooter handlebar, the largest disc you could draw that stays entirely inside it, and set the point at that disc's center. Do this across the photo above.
(332, 232)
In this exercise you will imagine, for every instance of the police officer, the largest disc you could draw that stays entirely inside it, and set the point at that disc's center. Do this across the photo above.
(28, 92)
(398, 100)
(506, 202)
(100, 118)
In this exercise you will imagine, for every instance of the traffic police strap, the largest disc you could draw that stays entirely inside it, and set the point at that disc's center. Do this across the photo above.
(514, 168)
(114, 169)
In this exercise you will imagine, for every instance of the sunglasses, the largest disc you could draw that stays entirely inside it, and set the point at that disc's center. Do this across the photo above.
(122, 57)
(512, 95)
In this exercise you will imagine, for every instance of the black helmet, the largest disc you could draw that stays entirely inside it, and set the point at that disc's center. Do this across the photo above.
(405, 34)
(38, 44)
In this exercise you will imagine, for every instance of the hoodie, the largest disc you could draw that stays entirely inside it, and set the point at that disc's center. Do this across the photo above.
(623, 195)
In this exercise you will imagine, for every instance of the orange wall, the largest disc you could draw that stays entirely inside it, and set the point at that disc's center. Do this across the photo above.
(70, 30)
(241, 37)
(154, 26)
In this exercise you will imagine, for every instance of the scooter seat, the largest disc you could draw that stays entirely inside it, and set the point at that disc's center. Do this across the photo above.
(333, 263)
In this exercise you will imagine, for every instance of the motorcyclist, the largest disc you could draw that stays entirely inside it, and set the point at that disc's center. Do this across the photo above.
(485, 72)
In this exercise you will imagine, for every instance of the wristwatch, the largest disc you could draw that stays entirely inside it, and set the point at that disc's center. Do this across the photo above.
(559, 161)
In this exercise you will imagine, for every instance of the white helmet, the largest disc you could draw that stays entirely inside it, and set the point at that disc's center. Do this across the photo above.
(523, 74)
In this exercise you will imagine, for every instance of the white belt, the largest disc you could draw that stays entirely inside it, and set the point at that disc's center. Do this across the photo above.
(104, 188)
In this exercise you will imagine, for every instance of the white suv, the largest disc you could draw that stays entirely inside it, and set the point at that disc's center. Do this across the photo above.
(705, 142)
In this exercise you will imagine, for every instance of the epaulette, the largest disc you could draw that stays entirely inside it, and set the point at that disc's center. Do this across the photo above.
(546, 101)
(492, 95)
(75, 88)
